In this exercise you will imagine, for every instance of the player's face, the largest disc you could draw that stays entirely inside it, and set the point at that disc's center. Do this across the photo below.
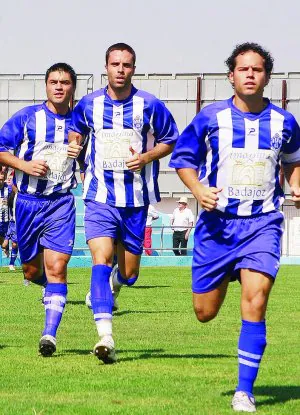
(120, 69)
(59, 88)
(249, 76)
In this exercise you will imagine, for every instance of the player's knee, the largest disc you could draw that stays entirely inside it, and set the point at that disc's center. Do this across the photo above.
(57, 269)
(204, 315)
(31, 273)
(130, 278)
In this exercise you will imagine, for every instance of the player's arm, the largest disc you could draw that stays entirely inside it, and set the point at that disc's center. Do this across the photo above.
(292, 175)
(138, 160)
(33, 167)
(290, 158)
(11, 138)
(166, 134)
(74, 147)
(206, 196)
(78, 129)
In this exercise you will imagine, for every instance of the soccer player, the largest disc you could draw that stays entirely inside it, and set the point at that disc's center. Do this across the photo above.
(128, 130)
(45, 210)
(5, 191)
(229, 157)
(11, 234)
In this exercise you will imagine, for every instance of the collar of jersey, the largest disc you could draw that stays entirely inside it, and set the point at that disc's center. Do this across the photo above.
(58, 116)
(250, 115)
(120, 101)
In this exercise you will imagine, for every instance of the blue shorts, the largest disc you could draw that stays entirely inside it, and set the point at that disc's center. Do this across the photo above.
(45, 222)
(11, 233)
(125, 224)
(3, 229)
(223, 245)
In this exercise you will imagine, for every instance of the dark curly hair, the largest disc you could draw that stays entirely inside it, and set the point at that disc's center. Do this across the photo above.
(246, 47)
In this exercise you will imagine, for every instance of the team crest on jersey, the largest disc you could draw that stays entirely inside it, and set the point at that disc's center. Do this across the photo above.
(137, 122)
(276, 141)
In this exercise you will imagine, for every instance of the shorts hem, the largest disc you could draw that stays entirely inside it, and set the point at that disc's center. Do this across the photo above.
(262, 271)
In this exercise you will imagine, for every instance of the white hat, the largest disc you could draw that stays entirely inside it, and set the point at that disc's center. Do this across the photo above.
(183, 199)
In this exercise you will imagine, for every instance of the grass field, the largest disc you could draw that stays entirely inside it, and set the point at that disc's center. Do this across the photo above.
(168, 362)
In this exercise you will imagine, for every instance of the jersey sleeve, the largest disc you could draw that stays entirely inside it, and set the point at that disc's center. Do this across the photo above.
(79, 122)
(291, 148)
(12, 132)
(165, 128)
(190, 150)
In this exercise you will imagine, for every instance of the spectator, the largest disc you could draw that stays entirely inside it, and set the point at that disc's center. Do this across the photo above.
(182, 220)
(151, 216)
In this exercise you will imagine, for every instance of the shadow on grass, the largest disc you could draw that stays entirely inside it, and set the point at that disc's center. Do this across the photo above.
(3, 346)
(144, 287)
(274, 394)
(121, 313)
(151, 354)
(77, 351)
(89, 351)
(76, 302)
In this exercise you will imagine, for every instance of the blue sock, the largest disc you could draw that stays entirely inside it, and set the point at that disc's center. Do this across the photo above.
(252, 343)
(13, 256)
(129, 282)
(54, 302)
(101, 295)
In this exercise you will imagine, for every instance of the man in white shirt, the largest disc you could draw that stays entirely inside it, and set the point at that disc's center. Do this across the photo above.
(151, 216)
(182, 220)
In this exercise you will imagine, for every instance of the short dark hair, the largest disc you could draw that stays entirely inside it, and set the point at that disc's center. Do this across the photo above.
(120, 46)
(254, 47)
(64, 67)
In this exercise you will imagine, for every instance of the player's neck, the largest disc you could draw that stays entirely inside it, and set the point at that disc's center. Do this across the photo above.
(119, 94)
(61, 109)
(249, 103)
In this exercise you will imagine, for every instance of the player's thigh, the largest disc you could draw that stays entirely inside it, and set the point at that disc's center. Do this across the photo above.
(29, 226)
(35, 267)
(132, 229)
(102, 250)
(128, 262)
(256, 288)
(208, 304)
(56, 265)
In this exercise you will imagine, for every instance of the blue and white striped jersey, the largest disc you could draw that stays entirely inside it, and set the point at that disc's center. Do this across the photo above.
(240, 153)
(4, 195)
(36, 133)
(140, 121)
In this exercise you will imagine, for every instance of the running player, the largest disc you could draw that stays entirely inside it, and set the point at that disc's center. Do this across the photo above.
(229, 157)
(129, 130)
(45, 210)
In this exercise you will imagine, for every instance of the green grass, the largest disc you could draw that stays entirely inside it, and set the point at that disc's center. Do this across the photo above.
(168, 362)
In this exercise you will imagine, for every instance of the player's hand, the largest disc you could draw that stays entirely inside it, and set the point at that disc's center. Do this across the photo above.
(208, 198)
(73, 149)
(35, 168)
(295, 193)
(73, 136)
(136, 162)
